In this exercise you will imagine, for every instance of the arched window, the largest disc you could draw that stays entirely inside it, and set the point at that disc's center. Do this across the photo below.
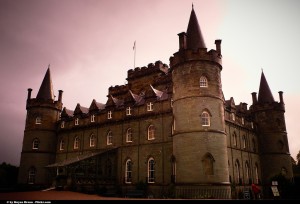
(61, 144)
(76, 143)
(203, 81)
(208, 164)
(109, 138)
(38, 120)
(151, 171)
(247, 173)
(238, 178)
(129, 135)
(92, 140)
(256, 178)
(151, 132)
(128, 171)
(205, 118)
(35, 144)
(31, 175)
(234, 139)
(244, 141)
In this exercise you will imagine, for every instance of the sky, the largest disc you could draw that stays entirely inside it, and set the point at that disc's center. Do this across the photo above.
(89, 46)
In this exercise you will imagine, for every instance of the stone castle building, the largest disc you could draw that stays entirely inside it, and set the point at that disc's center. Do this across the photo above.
(169, 128)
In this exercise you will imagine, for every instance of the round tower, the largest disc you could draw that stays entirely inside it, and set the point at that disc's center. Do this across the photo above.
(199, 138)
(39, 142)
(269, 118)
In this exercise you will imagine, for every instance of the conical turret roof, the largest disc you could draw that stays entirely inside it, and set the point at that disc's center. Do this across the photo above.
(264, 94)
(195, 39)
(46, 89)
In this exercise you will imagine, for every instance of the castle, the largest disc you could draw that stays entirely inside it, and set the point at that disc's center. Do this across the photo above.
(169, 128)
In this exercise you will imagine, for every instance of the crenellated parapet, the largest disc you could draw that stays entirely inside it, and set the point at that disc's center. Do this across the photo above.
(150, 69)
(118, 90)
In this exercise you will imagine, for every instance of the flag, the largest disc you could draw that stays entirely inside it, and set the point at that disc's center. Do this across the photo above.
(134, 45)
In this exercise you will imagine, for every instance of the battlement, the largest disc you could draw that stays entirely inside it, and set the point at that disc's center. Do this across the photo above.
(143, 71)
(118, 90)
(200, 54)
(33, 102)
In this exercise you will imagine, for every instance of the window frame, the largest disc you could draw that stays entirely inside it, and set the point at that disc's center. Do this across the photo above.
(35, 144)
(150, 106)
(31, 175)
(92, 140)
(76, 143)
(151, 132)
(205, 119)
(109, 115)
(128, 171)
(203, 82)
(109, 138)
(128, 111)
(129, 135)
(151, 170)
(38, 120)
(62, 145)
(76, 121)
(93, 118)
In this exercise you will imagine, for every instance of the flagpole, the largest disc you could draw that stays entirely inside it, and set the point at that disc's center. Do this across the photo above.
(134, 47)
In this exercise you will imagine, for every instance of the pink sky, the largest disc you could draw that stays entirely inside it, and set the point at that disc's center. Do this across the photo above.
(89, 46)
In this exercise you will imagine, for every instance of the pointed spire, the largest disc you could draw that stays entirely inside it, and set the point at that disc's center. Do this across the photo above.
(46, 89)
(264, 94)
(194, 36)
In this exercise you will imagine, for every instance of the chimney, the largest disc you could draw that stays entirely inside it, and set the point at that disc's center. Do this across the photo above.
(254, 98)
(218, 46)
(281, 97)
(182, 41)
(60, 95)
(29, 93)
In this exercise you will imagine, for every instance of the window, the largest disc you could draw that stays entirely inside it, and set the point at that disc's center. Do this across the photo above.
(38, 120)
(151, 132)
(244, 141)
(237, 172)
(92, 140)
(62, 125)
(92, 118)
(76, 121)
(62, 145)
(129, 135)
(203, 81)
(243, 121)
(128, 111)
(234, 139)
(256, 180)
(205, 119)
(76, 143)
(151, 171)
(128, 171)
(207, 163)
(232, 116)
(31, 175)
(109, 115)
(150, 106)
(247, 173)
(35, 144)
(172, 101)
(109, 138)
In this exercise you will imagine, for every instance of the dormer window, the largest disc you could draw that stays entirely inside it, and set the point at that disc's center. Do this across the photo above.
(92, 118)
(109, 115)
(203, 81)
(150, 106)
(128, 111)
(76, 121)
(38, 120)
(62, 125)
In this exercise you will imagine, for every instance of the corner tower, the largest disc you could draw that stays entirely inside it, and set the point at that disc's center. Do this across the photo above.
(269, 118)
(199, 138)
(39, 142)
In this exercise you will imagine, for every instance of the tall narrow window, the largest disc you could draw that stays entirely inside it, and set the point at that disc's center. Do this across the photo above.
(128, 111)
(31, 175)
(76, 121)
(203, 81)
(256, 178)
(35, 144)
(38, 120)
(129, 135)
(234, 139)
(208, 164)
(150, 106)
(151, 171)
(237, 172)
(61, 144)
(109, 138)
(205, 118)
(92, 140)
(92, 118)
(109, 115)
(151, 132)
(244, 142)
(247, 173)
(232, 116)
(76, 143)
(128, 171)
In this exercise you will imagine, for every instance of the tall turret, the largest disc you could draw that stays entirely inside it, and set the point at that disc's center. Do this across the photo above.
(199, 138)
(39, 142)
(273, 142)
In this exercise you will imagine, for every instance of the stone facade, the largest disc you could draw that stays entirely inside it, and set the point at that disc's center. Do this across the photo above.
(169, 128)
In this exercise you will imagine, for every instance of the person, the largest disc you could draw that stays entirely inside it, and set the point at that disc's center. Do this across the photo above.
(256, 191)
